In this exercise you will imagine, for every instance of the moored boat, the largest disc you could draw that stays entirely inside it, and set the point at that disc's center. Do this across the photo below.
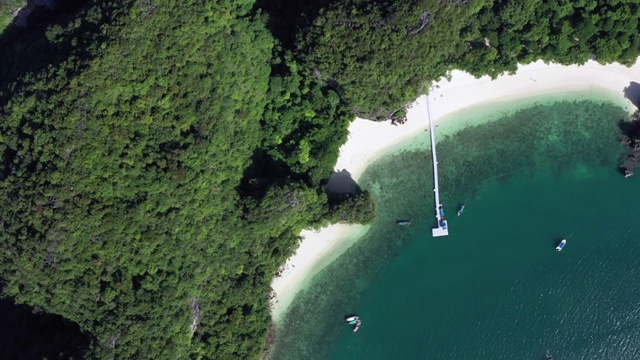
(354, 320)
(461, 211)
(357, 326)
(561, 245)
(404, 222)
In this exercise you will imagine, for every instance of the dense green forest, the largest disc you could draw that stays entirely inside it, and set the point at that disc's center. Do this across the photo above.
(8, 10)
(160, 158)
(379, 54)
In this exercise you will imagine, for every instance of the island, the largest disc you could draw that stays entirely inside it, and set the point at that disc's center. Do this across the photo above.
(162, 160)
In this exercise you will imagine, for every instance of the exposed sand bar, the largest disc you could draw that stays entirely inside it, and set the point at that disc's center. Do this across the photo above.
(368, 140)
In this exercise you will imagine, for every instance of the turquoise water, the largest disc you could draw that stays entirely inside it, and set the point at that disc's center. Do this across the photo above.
(495, 288)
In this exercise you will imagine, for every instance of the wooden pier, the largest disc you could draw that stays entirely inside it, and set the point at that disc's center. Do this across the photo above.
(443, 228)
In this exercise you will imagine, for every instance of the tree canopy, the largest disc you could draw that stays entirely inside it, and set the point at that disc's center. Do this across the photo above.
(158, 174)
(382, 54)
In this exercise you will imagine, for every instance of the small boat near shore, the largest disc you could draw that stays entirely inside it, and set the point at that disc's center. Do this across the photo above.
(561, 245)
(461, 211)
(354, 320)
(404, 222)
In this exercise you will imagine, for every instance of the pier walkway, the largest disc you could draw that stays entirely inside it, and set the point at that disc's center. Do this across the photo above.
(443, 228)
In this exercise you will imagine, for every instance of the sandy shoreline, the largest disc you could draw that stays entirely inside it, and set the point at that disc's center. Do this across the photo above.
(368, 140)
(318, 249)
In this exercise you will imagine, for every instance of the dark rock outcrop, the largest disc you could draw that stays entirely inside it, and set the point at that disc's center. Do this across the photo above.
(632, 142)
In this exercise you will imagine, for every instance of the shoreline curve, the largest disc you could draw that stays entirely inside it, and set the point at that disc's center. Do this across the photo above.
(368, 140)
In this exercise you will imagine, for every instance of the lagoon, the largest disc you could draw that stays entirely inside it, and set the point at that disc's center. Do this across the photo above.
(495, 288)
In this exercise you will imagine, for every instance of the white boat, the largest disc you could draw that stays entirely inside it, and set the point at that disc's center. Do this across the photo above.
(561, 245)
(352, 319)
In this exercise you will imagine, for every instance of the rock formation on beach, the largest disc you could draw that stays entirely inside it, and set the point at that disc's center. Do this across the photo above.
(632, 143)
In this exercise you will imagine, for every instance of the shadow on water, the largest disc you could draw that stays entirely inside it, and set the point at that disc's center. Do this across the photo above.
(555, 242)
(26, 334)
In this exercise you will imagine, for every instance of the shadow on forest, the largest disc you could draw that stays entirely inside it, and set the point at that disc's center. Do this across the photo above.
(632, 92)
(30, 46)
(27, 334)
(264, 173)
(286, 17)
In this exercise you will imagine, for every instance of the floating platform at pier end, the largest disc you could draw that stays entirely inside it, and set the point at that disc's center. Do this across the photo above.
(443, 227)
(439, 231)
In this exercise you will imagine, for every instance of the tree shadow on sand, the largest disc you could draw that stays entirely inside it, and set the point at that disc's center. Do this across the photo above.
(341, 182)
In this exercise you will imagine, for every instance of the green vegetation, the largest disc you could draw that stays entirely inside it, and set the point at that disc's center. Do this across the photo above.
(350, 208)
(382, 54)
(158, 174)
(160, 158)
(8, 8)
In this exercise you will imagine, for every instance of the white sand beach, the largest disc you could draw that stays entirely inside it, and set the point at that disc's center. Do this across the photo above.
(318, 249)
(368, 140)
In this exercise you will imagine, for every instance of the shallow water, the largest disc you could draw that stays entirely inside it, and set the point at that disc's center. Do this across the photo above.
(495, 288)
